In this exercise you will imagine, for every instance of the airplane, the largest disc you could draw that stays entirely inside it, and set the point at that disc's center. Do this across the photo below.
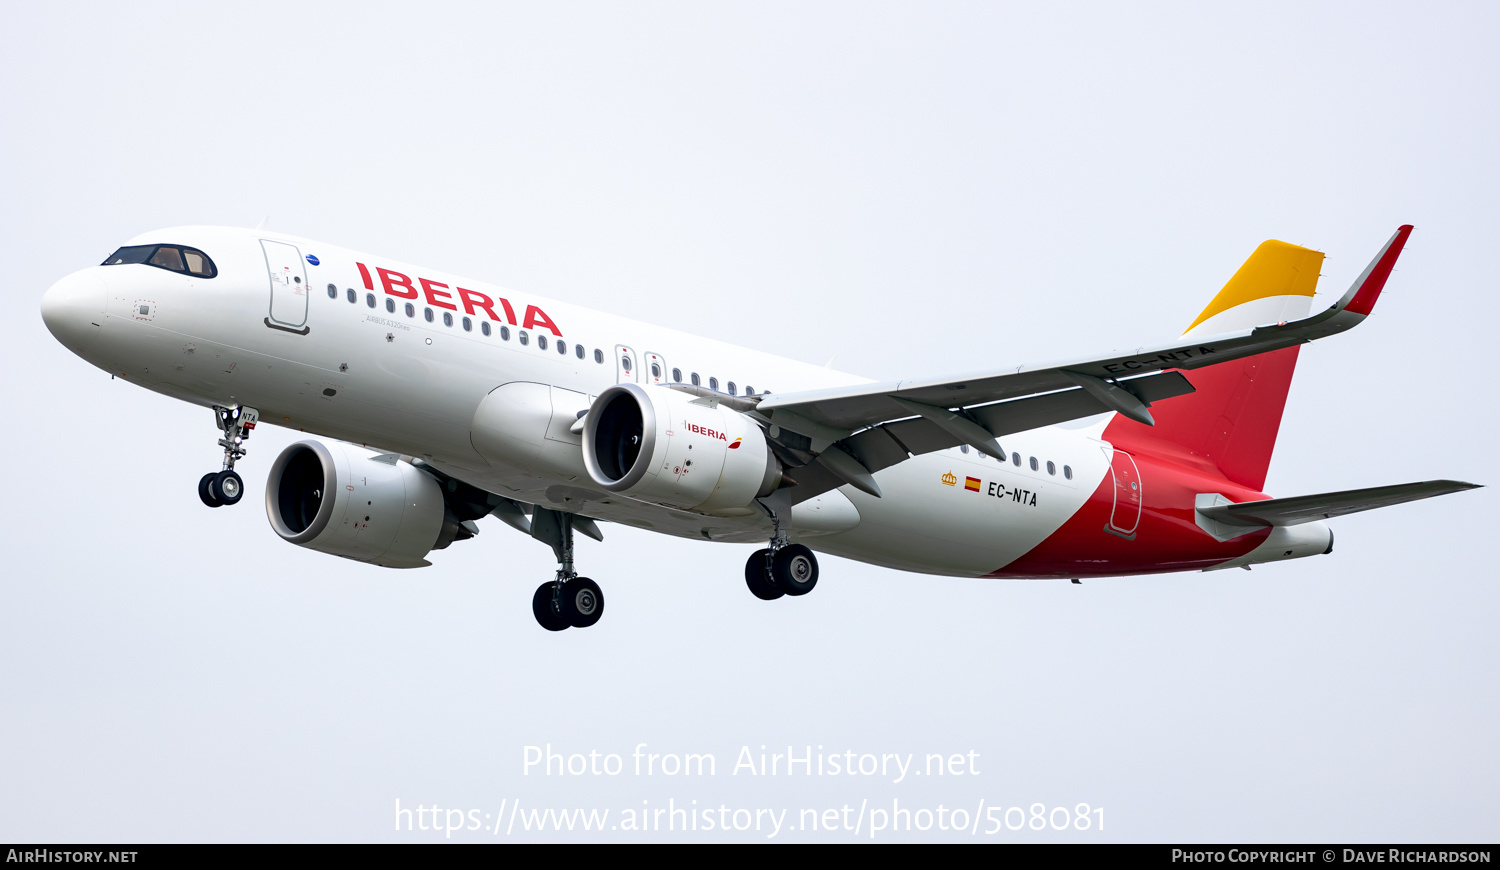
(441, 400)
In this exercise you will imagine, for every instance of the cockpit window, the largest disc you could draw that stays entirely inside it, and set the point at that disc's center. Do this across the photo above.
(173, 258)
(168, 257)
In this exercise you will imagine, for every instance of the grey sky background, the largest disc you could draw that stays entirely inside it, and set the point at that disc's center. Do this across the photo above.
(912, 189)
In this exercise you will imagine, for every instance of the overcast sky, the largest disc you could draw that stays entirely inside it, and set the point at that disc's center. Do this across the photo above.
(913, 189)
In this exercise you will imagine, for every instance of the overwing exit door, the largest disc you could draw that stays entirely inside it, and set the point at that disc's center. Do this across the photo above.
(1126, 515)
(288, 286)
(626, 371)
(656, 368)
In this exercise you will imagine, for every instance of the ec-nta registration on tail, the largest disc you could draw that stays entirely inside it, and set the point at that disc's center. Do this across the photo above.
(553, 419)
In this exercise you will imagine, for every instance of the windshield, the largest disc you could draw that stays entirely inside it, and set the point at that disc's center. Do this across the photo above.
(173, 258)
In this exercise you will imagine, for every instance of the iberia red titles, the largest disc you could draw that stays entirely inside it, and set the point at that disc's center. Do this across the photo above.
(440, 295)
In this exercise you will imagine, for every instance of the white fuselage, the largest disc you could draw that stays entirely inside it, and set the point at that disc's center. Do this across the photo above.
(295, 347)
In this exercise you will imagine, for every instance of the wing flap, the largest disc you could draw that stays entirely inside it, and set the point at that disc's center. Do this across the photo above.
(1307, 508)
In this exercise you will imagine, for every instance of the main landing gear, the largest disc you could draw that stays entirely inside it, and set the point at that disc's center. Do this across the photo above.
(781, 569)
(218, 488)
(569, 601)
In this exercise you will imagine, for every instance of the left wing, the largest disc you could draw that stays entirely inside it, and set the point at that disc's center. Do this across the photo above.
(1307, 508)
(845, 434)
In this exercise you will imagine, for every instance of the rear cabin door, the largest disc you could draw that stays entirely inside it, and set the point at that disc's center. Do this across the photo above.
(626, 371)
(288, 285)
(1126, 515)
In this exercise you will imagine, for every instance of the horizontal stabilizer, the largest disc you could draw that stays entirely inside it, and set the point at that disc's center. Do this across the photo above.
(1307, 508)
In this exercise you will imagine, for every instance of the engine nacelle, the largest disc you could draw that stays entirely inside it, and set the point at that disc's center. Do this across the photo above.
(356, 503)
(663, 446)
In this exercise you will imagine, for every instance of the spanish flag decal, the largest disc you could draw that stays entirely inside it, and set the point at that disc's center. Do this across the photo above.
(971, 484)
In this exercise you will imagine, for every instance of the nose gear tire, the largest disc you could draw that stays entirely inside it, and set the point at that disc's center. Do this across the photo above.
(757, 578)
(228, 487)
(541, 608)
(206, 490)
(794, 569)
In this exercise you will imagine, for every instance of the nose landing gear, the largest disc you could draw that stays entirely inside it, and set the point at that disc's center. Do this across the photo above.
(218, 488)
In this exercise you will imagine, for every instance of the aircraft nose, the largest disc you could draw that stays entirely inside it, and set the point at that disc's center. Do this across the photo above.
(73, 309)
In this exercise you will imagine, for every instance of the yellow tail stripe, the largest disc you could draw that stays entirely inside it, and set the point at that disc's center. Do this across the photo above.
(1275, 269)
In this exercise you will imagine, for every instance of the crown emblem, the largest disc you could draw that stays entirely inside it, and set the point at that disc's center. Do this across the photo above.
(950, 479)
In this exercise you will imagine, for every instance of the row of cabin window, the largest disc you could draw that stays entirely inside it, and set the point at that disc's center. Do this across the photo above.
(1015, 459)
(468, 324)
(713, 383)
(541, 340)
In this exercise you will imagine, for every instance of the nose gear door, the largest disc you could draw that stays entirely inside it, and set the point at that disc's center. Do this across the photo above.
(1126, 515)
(288, 286)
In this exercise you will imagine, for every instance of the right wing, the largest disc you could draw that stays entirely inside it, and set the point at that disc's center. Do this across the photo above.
(844, 434)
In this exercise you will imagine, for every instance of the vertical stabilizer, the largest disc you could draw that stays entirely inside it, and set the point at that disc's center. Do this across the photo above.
(1232, 420)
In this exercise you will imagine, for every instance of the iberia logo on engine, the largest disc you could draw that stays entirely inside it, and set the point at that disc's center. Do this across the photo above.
(705, 431)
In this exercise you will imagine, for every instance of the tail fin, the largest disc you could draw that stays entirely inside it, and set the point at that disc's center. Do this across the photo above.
(1233, 418)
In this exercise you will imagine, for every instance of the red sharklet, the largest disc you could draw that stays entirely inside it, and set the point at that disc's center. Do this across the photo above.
(1364, 301)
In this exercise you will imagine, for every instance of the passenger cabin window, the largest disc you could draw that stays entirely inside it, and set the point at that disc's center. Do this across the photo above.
(541, 342)
(370, 300)
(484, 327)
(411, 310)
(676, 376)
(1068, 472)
(578, 350)
(696, 382)
(730, 388)
(333, 292)
(1033, 463)
(173, 258)
(1051, 469)
(1016, 458)
(598, 356)
(390, 305)
(352, 295)
(713, 383)
(562, 348)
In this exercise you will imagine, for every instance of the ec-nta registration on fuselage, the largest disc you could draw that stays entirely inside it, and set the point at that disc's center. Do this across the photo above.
(482, 401)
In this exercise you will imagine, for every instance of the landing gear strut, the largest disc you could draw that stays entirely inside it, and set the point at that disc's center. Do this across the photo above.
(569, 601)
(218, 488)
(782, 568)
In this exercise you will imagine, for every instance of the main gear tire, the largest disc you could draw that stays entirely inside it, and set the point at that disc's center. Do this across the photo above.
(582, 602)
(758, 579)
(541, 608)
(794, 569)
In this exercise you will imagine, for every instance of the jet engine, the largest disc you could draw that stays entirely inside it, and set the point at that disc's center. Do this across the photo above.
(664, 446)
(361, 505)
